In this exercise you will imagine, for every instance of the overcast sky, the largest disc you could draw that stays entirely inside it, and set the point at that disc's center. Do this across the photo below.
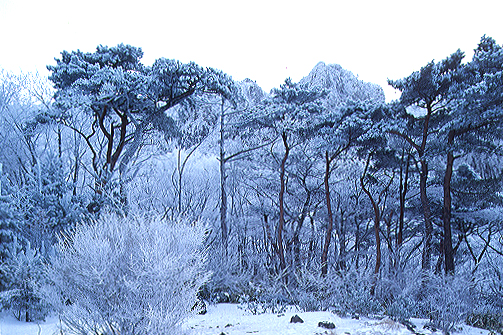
(264, 40)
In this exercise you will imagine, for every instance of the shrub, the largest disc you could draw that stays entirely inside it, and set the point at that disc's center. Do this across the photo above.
(450, 299)
(347, 292)
(128, 275)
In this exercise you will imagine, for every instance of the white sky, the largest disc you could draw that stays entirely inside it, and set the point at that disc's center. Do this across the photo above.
(264, 40)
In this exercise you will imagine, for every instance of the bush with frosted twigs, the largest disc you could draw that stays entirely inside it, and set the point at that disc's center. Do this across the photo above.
(128, 275)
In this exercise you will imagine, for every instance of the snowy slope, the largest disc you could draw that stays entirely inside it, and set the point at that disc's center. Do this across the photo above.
(229, 319)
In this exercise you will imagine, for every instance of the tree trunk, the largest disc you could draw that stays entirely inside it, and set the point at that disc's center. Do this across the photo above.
(447, 245)
(423, 176)
(223, 177)
(342, 244)
(300, 223)
(75, 174)
(281, 223)
(391, 263)
(328, 236)
(312, 242)
(60, 145)
(123, 196)
(357, 243)
(179, 168)
(377, 221)
(403, 194)
(428, 227)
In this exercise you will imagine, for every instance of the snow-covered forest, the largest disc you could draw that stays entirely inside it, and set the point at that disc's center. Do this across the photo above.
(134, 194)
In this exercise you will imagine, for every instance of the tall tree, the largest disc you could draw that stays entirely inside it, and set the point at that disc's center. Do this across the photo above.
(427, 89)
(473, 123)
(336, 131)
(125, 99)
(288, 113)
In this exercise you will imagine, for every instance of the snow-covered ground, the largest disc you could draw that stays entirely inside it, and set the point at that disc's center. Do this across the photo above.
(230, 319)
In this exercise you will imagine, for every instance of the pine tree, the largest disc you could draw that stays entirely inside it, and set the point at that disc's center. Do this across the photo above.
(10, 234)
(473, 125)
(428, 89)
(24, 296)
(124, 100)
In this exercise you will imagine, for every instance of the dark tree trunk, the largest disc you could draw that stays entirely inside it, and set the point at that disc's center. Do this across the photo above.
(328, 236)
(377, 221)
(60, 146)
(447, 245)
(357, 243)
(281, 223)
(403, 193)
(180, 175)
(296, 235)
(428, 227)
(223, 178)
(75, 174)
(423, 176)
(312, 242)
(342, 244)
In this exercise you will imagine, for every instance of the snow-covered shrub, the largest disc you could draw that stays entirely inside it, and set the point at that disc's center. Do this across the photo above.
(24, 296)
(128, 275)
(487, 320)
(235, 278)
(228, 283)
(397, 292)
(448, 300)
(346, 292)
(352, 293)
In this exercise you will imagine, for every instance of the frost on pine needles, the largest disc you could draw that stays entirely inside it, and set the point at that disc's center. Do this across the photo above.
(128, 275)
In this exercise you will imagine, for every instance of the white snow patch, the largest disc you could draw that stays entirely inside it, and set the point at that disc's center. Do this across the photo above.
(231, 319)
(10, 326)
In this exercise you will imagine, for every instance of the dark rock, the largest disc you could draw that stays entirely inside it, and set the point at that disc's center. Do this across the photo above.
(200, 307)
(355, 317)
(228, 325)
(326, 325)
(296, 319)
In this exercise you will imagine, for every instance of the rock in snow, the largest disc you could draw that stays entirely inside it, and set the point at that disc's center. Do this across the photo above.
(326, 324)
(296, 319)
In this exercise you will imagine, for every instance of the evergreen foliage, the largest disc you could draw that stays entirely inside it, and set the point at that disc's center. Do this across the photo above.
(24, 296)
